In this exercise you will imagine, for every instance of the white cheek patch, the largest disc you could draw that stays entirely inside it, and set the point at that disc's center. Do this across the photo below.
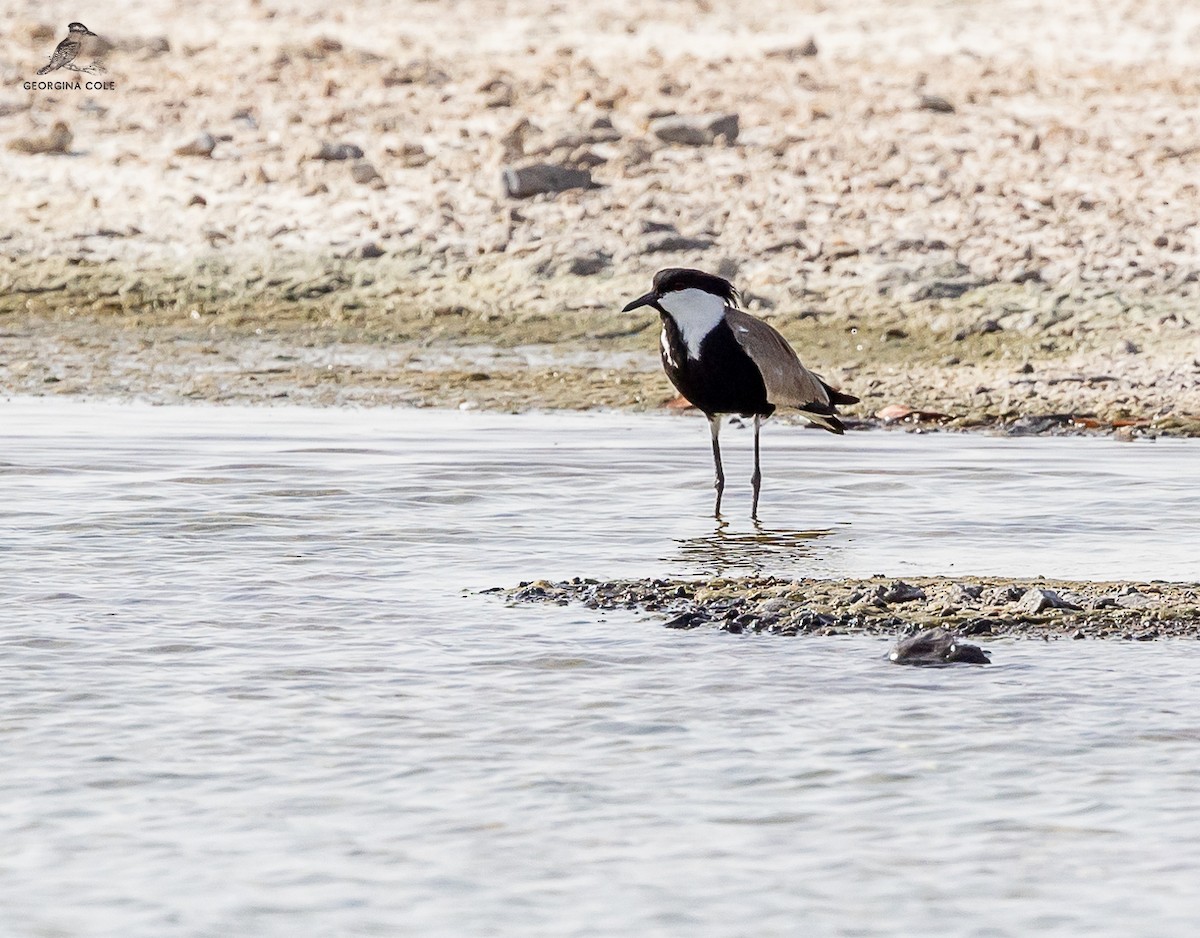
(696, 313)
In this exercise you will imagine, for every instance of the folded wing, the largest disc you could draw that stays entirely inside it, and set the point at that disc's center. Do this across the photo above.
(788, 382)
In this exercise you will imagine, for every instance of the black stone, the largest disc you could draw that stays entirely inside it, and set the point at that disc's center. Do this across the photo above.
(934, 647)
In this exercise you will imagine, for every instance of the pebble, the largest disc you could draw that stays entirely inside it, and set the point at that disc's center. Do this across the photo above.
(364, 173)
(58, 140)
(522, 182)
(411, 155)
(202, 145)
(338, 151)
(900, 592)
(1038, 600)
(695, 130)
(935, 102)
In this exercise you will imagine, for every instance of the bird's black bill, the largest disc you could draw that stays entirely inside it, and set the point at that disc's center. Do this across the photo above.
(648, 300)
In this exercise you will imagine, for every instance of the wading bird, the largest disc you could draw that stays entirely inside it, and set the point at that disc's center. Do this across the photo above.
(65, 52)
(725, 361)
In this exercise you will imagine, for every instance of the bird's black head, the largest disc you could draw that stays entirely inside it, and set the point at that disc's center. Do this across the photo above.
(673, 279)
(79, 28)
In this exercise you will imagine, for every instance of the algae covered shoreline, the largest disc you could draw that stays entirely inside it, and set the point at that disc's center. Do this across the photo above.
(974, 607)
(1015, 358)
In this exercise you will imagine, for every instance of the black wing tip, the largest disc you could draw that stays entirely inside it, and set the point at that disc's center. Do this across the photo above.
(838, 397)
(824, 418)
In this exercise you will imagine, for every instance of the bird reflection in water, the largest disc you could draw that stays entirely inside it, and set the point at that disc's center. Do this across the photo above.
(758, 550)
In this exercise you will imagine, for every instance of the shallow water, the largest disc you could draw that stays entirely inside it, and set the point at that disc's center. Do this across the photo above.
(248, 686)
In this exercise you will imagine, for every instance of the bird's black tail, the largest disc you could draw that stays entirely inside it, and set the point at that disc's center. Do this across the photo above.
(44, 69)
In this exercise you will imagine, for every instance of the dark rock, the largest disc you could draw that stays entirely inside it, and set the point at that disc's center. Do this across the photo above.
(695, 130)
(862, 597)
(981, 627)
(1004, 594)
(688, 620)
(521, 182)
(936, 647)
(660, 244)
(809, 621)
(587, 265)
(964, 593)
(416, 73)
(900, 592)
(935, 102)
(364, 173)
(1038, 600)
(370, 251)
(584, 264)
(338, 151)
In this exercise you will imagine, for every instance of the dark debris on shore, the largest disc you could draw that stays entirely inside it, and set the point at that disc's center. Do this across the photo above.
(979, 607)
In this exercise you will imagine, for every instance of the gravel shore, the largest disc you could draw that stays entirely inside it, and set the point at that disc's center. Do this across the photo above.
(962, 219)
(976, 607)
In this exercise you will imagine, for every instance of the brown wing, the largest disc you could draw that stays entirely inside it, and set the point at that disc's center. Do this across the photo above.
(788, 382)
(64, 54)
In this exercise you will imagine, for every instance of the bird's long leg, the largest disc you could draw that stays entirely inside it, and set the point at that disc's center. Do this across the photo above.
(714, 424)
(756, 479)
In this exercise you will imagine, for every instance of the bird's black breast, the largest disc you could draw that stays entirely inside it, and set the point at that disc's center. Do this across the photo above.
(722, 379)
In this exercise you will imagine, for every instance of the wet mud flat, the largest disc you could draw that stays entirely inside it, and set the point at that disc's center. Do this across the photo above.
(979, 607)
(396, 334)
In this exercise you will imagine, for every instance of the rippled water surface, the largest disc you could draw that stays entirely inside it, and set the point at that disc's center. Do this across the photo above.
(248, 685)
